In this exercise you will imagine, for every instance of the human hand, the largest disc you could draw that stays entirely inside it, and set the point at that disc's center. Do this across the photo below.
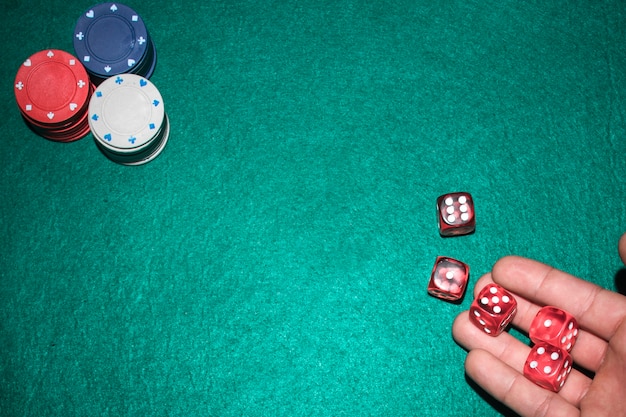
(496, 363)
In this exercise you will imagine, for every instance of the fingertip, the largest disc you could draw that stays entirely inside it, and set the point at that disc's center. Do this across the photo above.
(505, 265)
(475, 362)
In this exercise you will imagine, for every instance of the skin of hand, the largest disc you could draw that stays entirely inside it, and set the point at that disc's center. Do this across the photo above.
(496, 363)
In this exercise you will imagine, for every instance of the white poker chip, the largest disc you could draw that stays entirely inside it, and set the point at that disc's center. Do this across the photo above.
(128, 120)
(126, 113)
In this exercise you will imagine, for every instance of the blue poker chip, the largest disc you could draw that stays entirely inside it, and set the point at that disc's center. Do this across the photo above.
(145, 69)
(111, 39)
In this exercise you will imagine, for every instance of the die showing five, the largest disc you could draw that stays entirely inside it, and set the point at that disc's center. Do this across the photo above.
(548, 366)
(493, 309)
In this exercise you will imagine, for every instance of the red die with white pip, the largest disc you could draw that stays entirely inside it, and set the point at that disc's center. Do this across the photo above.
(493, 309)
(455, 212)
(548, 366)
(554, 326)
(448, 279)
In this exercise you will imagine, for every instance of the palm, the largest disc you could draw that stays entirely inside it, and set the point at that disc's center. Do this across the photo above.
(606, 390)
(496, 363)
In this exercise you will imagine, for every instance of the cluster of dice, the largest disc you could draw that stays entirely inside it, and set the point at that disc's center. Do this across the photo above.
(553, 331)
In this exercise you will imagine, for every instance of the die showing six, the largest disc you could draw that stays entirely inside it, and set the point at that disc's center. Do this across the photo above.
(456, 214)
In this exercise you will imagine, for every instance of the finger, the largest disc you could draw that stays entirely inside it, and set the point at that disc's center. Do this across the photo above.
(622, 248)
(513, 353)
(596, 309)
(511, 388)
(589, 349)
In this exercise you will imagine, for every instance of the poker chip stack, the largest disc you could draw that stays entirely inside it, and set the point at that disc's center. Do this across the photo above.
(112, 39)
(52, 90)
(128, 120)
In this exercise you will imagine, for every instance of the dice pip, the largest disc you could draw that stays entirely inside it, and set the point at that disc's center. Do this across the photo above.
(493, 309)
(554, 326)
(448, 279)
(548, 366)
(455, 213)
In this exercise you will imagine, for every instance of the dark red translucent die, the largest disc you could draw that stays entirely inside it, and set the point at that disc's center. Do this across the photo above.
(548, 366)
(455, 212)
(493, 309)
(448, 279)
(554, 326)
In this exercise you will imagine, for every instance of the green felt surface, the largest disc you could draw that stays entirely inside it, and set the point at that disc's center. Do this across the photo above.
(273, 261)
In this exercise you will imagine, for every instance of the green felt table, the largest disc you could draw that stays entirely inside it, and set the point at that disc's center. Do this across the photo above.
(273, 260)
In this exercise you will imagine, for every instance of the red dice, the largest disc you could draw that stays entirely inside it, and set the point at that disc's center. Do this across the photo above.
(493, 309)
(455, 212)
(448, 279)
(548, 366)
(554, 326)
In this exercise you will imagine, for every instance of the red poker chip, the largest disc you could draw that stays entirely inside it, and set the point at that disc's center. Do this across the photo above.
(52, 88)
(66, 124)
